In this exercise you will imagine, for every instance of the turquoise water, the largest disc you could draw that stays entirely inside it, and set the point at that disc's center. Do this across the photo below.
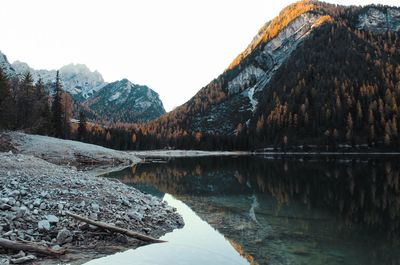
(255, 210)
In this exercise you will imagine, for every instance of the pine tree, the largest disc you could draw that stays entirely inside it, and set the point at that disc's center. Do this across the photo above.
(82, 126)
(57, 110)
(66, 103)
(39, 89)
(25, 102)
(5, 102)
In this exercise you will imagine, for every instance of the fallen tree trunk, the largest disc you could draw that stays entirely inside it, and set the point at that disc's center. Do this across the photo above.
(116, 229)
(30, 247)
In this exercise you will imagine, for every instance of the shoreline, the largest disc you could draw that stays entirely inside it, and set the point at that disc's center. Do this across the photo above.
(198, 153)
(35, 195)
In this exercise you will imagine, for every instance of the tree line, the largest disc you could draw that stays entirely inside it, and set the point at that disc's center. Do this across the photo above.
(34, 107)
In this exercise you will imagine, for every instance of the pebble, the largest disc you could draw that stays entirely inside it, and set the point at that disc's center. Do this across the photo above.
(135, 215)
(64, 236)
(21, 211)
(37, 202)
(93, 216)
(32, 206)
(25, 259)
(52, 219)
(44, 225)
(95, 207)
(5, 207)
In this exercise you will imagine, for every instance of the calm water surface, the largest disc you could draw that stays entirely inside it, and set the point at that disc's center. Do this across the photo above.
(263, 210)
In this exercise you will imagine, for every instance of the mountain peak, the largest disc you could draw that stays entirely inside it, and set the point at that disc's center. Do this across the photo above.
(77, 79)
(5, 65)
(273, 27)
(376, 18)
(126, 102)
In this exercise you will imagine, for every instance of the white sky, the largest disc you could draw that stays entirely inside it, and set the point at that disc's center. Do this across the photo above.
(175, 47)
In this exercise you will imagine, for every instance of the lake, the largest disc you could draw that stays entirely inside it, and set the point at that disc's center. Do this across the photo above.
(272, 210)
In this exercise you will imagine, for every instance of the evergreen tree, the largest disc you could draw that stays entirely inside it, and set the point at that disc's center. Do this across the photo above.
(57, 110)
(25, 102)
(5, 102)
(82, 126)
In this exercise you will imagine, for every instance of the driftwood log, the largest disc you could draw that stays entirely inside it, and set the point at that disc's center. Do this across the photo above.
(30, 247)
(115, 229)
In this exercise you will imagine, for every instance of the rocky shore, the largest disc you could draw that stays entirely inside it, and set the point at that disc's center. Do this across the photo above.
(34, 198)
(65, 152)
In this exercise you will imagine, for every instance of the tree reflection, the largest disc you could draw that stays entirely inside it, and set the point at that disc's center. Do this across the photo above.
(362, 192)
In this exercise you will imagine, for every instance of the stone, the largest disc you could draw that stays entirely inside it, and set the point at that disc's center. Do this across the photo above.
(93, 216)
(21, 212)
(5, 200)
(23, 259)
(14, 183)
(42, 206)
(37, 202)
(120, 224)
(9, 233)
(52, 219)
(5, 207)
(14, 193)
(93, 227)
(64, 236)
(126, 202)
(56, 247)
(11, 201)
(44, 225)
(95, 207)
(19, 255)
(4, 261)
(135, 215)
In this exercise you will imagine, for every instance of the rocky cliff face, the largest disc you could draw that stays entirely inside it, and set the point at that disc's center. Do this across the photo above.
(380, 19)
(5, 65)
(126, 102)
(77, 79)
(244, 88)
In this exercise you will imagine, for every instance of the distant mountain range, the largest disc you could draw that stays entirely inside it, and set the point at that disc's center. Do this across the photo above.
(135, 103)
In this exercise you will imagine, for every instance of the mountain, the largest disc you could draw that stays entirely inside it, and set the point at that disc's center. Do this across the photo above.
(125, 102)
(120, 101)
(5, 65)
(77, 79)
(317, 73)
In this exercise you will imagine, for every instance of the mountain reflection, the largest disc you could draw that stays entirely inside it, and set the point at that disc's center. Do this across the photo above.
(276, 211)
